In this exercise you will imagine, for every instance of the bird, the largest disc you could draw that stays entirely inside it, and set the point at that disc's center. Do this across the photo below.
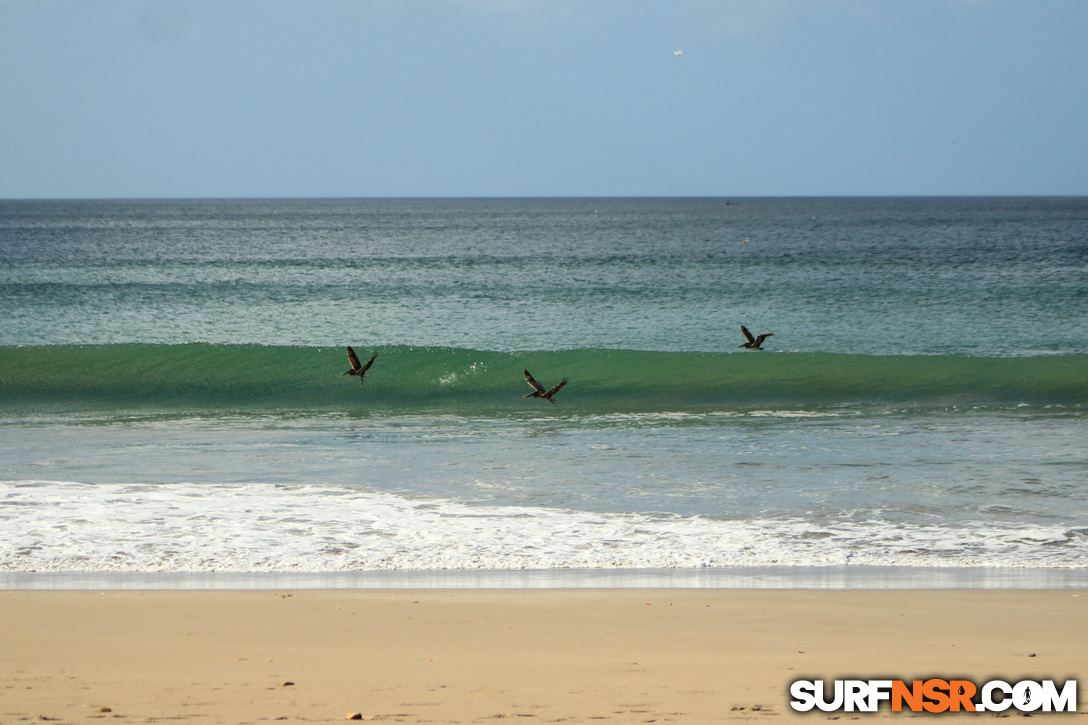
(754, 343)
(538, 389)
(356, 368)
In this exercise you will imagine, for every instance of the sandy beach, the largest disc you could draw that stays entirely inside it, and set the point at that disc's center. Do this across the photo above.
(461, 656)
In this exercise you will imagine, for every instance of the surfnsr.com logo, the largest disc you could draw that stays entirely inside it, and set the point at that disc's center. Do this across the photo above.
(934, 695)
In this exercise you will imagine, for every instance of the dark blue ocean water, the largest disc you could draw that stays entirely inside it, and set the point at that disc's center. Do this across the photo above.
(985, 277)
(171, 398)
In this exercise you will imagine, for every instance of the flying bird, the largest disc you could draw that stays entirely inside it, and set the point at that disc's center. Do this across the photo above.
(356, 368)
(754, 343)
(538, 389)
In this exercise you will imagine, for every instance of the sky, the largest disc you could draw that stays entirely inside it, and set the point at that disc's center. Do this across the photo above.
(542, 98)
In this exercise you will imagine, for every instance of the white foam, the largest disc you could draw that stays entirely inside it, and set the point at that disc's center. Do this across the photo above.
(51, 526)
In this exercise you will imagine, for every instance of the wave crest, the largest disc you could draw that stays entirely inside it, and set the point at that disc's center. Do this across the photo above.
(268, 378)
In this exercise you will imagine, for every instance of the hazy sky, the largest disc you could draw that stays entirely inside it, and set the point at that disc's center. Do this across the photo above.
(380, 98)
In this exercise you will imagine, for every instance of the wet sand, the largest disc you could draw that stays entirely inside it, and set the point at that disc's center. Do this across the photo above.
(537, 656)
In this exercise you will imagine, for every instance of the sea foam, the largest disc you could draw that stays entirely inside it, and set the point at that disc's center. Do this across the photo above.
(59, 526)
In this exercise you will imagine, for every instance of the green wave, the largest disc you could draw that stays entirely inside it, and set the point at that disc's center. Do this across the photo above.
(253, 377)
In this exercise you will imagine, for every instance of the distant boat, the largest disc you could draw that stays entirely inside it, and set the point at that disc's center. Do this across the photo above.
(754, 343)
(356, 368)
(538, 389)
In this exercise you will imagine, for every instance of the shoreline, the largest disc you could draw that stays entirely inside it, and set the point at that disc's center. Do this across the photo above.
(843, 578)
(542, 655)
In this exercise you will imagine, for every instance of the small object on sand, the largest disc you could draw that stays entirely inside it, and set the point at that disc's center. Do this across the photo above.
(753, 343)
(538, 389)
(354, 716)
(356, 368)
(288, 684)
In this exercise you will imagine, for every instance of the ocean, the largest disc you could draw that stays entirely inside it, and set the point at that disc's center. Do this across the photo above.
(172, 404)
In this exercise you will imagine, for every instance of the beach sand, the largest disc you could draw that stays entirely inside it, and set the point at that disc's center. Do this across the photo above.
(536, 656)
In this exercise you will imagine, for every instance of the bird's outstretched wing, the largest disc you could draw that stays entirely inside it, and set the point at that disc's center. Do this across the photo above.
(555, 389)
(369, 362)
(764, 336)
(747, 335)
(353, 360)
(534, 384)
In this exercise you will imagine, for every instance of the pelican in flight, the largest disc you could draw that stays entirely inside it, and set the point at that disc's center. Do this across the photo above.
(754, 343)
(356, 368)
(538, 389)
